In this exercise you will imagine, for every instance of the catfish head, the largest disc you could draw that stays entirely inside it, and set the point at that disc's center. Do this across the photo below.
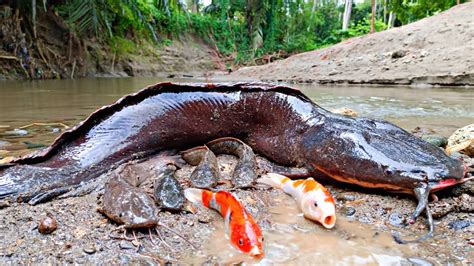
(376, 154)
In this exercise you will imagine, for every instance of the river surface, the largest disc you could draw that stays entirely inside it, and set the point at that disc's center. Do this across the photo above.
(56, 104)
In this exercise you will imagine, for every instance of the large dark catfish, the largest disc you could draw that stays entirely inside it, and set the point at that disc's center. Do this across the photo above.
(278, 122)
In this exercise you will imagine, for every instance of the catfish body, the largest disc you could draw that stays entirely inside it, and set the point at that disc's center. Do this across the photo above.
(278, 122)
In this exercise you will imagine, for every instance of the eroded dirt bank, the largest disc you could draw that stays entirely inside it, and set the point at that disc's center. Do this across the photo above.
(361, 236)
(53, 52)
(437, 50)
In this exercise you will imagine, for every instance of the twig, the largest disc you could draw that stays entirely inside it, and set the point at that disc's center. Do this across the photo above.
(9, 57)
(45, 124)
(73, 69)
(176, 233)
(161, 238)
(113, 62)
(54, 53)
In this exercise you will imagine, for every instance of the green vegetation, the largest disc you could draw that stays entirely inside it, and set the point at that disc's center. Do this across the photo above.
(242, 30)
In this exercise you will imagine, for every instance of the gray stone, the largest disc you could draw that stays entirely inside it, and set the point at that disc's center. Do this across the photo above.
(395, 219)
(125, 245)
(459, 224)
(438, 141)
(89, 249)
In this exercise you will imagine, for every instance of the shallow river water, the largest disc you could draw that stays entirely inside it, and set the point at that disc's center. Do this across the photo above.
(290, 238)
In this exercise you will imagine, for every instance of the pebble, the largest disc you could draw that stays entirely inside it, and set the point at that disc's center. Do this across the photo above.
(4, 204)
(16, 132)
(366, 220)
(398, 54)
(125, 245)
(346, 197)
(89, 249)
(168, 191)
(350, 211)
(124, 258)
(47, 225)
(438, 141)
(459, 224)
(395, 219)
(419, 261)
(333, 72)
(80, 261)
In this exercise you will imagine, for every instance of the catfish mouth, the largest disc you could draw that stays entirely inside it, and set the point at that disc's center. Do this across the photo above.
(444, 184)
(451, 181)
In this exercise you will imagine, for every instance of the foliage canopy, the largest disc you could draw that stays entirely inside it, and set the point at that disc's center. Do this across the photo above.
(241, 29)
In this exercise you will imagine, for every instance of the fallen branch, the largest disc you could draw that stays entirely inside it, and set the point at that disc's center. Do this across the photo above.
(9, 57)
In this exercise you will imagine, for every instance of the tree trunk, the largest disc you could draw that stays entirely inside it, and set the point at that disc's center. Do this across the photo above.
(458, 2)
(33, 16)
(313, 9)
(384, 11)
(195, 6)
(391, 20)
(347, 15)
(372, 21)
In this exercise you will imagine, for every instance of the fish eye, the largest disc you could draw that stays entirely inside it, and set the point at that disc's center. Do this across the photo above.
(241, 241)
(315, 204)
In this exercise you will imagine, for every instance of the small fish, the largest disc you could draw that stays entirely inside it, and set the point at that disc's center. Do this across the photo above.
(241, 228)
(313, 198)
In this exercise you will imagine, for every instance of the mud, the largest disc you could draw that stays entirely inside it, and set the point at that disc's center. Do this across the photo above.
(361, 235)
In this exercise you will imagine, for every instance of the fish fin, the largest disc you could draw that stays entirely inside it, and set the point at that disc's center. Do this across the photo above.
(194, 195)
(228, 216)
(273, 180)
(422, 194)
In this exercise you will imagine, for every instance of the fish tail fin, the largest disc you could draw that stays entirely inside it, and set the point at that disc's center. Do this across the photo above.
(273, 180)
(194, 195)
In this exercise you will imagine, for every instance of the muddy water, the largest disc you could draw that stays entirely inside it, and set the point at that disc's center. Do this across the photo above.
(290, 239)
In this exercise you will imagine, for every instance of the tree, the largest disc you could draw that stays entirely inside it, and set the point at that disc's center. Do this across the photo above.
(347, 15)
(372, 20)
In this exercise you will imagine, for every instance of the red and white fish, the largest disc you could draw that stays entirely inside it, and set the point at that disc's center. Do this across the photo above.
(241, 228)
(313, 198)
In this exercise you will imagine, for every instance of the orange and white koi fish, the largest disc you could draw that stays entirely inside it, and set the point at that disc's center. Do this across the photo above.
(313, 198)
(241, 228)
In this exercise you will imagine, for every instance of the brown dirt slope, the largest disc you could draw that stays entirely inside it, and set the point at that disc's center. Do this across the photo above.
(54, 52)
(437, 50)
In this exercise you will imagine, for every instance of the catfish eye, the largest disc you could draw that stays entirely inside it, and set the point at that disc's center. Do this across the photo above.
(241, 242)
(315, 204)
